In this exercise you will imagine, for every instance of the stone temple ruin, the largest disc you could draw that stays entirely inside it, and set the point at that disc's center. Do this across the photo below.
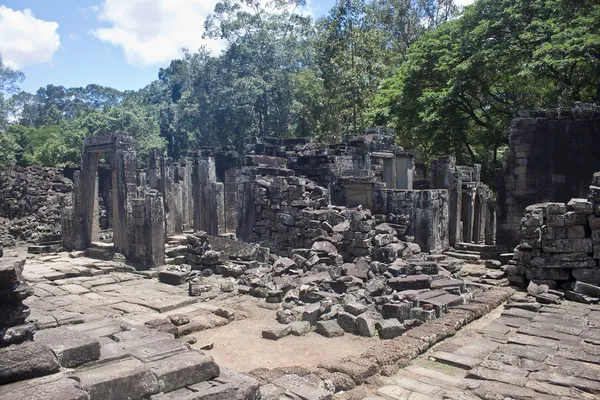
(331, 241)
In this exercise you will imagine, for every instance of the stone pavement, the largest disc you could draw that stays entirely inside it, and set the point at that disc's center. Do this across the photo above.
(524, 354)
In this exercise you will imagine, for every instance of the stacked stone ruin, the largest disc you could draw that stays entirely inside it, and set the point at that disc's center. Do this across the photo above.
(13, 313)
(560, 245)
(30, 204)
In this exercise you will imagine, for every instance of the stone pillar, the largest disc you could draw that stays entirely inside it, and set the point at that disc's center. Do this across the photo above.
(207, 196)
(405, 171)
(89, 197)
(230, 200)
(13, 313)
(124, 190)
(490, 221)
(246, 208)
(444, 175)
(187, 198)
(147, 243)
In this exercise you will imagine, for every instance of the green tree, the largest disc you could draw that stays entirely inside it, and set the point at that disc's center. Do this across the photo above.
(462, 82)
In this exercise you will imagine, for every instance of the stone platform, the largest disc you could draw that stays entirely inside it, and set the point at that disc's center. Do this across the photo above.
(550, 354)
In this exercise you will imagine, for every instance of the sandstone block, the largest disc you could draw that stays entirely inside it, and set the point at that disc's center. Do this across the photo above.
(572, 218)
(365, 325)
(71, 348)
(183, 370)
(347, 322)
(25, 361)
(123, 379)
(587, 275)
(567, 246)
(329, 329)
(580, 206)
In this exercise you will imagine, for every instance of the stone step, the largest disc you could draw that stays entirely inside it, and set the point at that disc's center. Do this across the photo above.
(99, 254)
(463, 256)
(506, 257)
(455, 360)
(481, 248)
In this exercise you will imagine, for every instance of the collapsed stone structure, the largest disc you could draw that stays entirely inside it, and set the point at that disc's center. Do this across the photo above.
(30, 199)
(560, 245)
(552, 153)
(207, 191)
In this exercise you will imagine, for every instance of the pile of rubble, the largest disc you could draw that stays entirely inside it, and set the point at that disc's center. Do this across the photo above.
(560, 249)
(30, 204)
(386, 293)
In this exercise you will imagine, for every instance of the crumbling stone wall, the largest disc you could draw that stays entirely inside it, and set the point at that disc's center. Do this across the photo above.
(289, 212)
(552, 154)
(561, 242)
(30, 200)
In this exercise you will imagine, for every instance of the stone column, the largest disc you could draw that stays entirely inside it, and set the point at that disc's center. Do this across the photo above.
(208, 197)
(124, 190)
(89, 197)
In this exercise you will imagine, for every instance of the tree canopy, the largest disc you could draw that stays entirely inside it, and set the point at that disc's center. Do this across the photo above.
(447, 80)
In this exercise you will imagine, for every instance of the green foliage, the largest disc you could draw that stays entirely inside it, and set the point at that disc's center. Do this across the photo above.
(462, 82)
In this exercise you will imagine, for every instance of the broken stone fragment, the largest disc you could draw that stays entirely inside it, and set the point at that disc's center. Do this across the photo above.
(324, 246)
(329, 329)
(365, 325)
(276, 332)
(286, 317)
(389, 328)
(179, 319)
(299, 328)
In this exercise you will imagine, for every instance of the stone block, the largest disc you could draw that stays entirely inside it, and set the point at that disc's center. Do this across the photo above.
(555, 220)
(173, 277)
(71, 348)
(567, 246)
(228, 386)
(554, 274)
(410, 283)
(587, 275)
(300, 328)
(123, 379)
(400, 311)
(355, 308)
(301, 388)
(347, 322)
(311, 313)
(389, 328)
(329, 329)
(277, 332)
(575, 232)
(555, 208)
(572, 218)
(152, 348)
(183, 370)
(43, 389)
(586, 289)
(422, 314)
(580, 206)
(25, 361)
(365, 325)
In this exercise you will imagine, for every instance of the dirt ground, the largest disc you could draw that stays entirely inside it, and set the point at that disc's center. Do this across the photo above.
(239, 346)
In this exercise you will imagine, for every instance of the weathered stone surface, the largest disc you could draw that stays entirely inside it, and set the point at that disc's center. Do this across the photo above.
(124, 379)
(43, 389)
(25, 361)
(347, 322)
(276, 333)
(389, 328)
(183, 370)
(329, 329)
(365, 325)
(227, 386)
(301, 388)
(71, 348)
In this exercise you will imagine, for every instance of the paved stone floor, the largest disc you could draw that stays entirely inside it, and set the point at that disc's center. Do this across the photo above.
(553, 354)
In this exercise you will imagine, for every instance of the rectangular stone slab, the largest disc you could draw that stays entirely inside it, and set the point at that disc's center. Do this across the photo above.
(124, 379)
(71, 348)
(183, 370)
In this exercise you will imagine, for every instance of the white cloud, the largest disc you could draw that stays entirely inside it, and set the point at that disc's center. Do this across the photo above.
(155, 31)
(463, 2)
(26, 40)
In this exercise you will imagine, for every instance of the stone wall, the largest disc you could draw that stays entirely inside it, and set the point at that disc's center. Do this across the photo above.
(552, 154)
(561, 242)
(30, 199)
(287, 213)
(426, 210)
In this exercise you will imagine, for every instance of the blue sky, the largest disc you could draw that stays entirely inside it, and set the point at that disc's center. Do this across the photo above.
(116, 43)
(82, 57)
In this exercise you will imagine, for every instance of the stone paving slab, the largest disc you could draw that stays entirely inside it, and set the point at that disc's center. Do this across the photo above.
(547, 355)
